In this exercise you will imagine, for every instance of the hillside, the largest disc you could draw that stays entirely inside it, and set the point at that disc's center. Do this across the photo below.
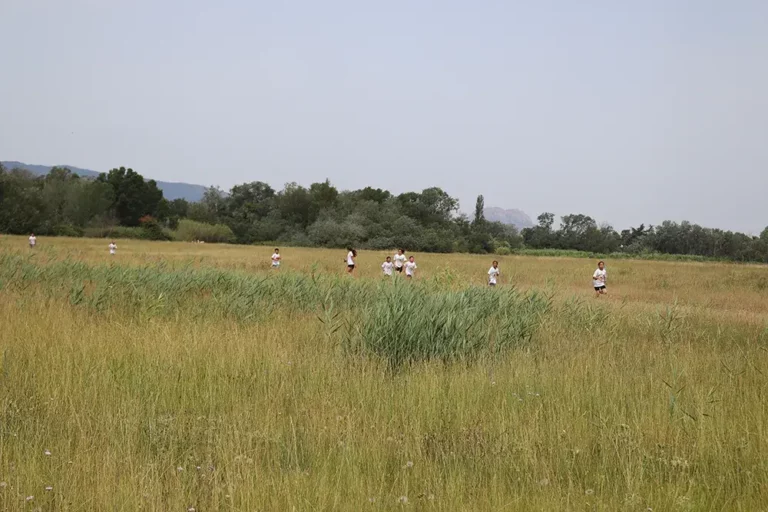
(517, 218)
(170, 190)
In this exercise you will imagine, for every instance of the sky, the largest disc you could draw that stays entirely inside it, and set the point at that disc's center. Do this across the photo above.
(630, 112)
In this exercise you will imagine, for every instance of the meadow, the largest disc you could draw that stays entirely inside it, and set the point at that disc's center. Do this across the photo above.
(180, 376)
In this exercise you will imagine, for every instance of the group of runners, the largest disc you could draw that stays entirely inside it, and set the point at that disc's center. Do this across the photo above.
(399, 264)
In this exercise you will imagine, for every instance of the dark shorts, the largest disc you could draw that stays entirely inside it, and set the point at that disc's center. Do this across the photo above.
(599, 288)
(399, 269)
(350, 266)
(491, 284)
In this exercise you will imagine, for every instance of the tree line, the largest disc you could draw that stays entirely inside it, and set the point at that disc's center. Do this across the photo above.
(122, 203)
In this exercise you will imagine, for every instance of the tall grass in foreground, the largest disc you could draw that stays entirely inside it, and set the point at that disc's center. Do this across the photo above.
(173, 392)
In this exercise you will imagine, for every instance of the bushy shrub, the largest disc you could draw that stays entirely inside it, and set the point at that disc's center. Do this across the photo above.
(68, 230)
(115, 232)
(151, 229)
(329, 233)
(190, 231)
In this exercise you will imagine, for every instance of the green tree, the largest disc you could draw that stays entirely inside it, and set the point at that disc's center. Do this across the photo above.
(133, 197)
(323, 196)
(22, 208)
(541, 236)
(479, 211)
(294, 203)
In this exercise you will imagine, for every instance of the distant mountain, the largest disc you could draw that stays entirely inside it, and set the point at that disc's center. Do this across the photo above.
(517, 218)
(170, 190)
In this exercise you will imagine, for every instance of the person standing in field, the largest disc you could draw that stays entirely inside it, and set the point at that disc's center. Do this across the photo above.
(410, 268)
(599, 279)
(387, 266)
(32, 241)
(493, 274)
(112, 248)
(276, 259)
(351, 255)
(400, 260)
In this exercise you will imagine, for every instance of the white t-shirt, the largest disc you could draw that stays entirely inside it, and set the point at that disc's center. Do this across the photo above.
(32, 240)
(598, 278)
(112, 248)
(410, 267)
(275, 260)
(493, 273)
(387, 268)
(350, 260)
(399, 260)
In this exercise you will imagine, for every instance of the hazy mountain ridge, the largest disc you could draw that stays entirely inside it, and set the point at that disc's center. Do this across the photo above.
(171, 190)
(515, 217)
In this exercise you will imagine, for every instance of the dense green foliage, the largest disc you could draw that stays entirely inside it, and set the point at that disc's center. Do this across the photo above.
(581, 233)
(62, 203)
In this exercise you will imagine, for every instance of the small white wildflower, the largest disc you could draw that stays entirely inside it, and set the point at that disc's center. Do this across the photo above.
(49, 488)
(544, 482)
(3, 485)
(191, 509)
(30, 498)
(409, 464)
(179, 469)
(403, 499)
(198, 468)
(47, 453)
(589, 492)
(371, 500)
(431, 497)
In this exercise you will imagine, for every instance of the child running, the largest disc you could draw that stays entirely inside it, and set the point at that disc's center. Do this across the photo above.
(112, 248)
(387, 266)
(598, 279)
(400, 260)
(276, 259)
(351, 255)
(493, 274)
(410, 268)
(32, 241)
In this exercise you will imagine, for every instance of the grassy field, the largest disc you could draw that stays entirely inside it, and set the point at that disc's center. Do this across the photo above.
(181, 376)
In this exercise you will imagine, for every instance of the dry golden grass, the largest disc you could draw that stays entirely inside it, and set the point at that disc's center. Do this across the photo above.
(653, 397)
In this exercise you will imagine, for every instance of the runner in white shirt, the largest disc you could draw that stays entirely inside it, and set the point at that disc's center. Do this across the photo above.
(32, 241)
(351, 255)
(112, 248)
(410, 268)
(387, 266)
(599, 278)
(400, 260)
(493, 273)
(276, 258)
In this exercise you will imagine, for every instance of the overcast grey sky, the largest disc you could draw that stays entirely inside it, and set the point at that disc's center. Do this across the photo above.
(626, 111)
